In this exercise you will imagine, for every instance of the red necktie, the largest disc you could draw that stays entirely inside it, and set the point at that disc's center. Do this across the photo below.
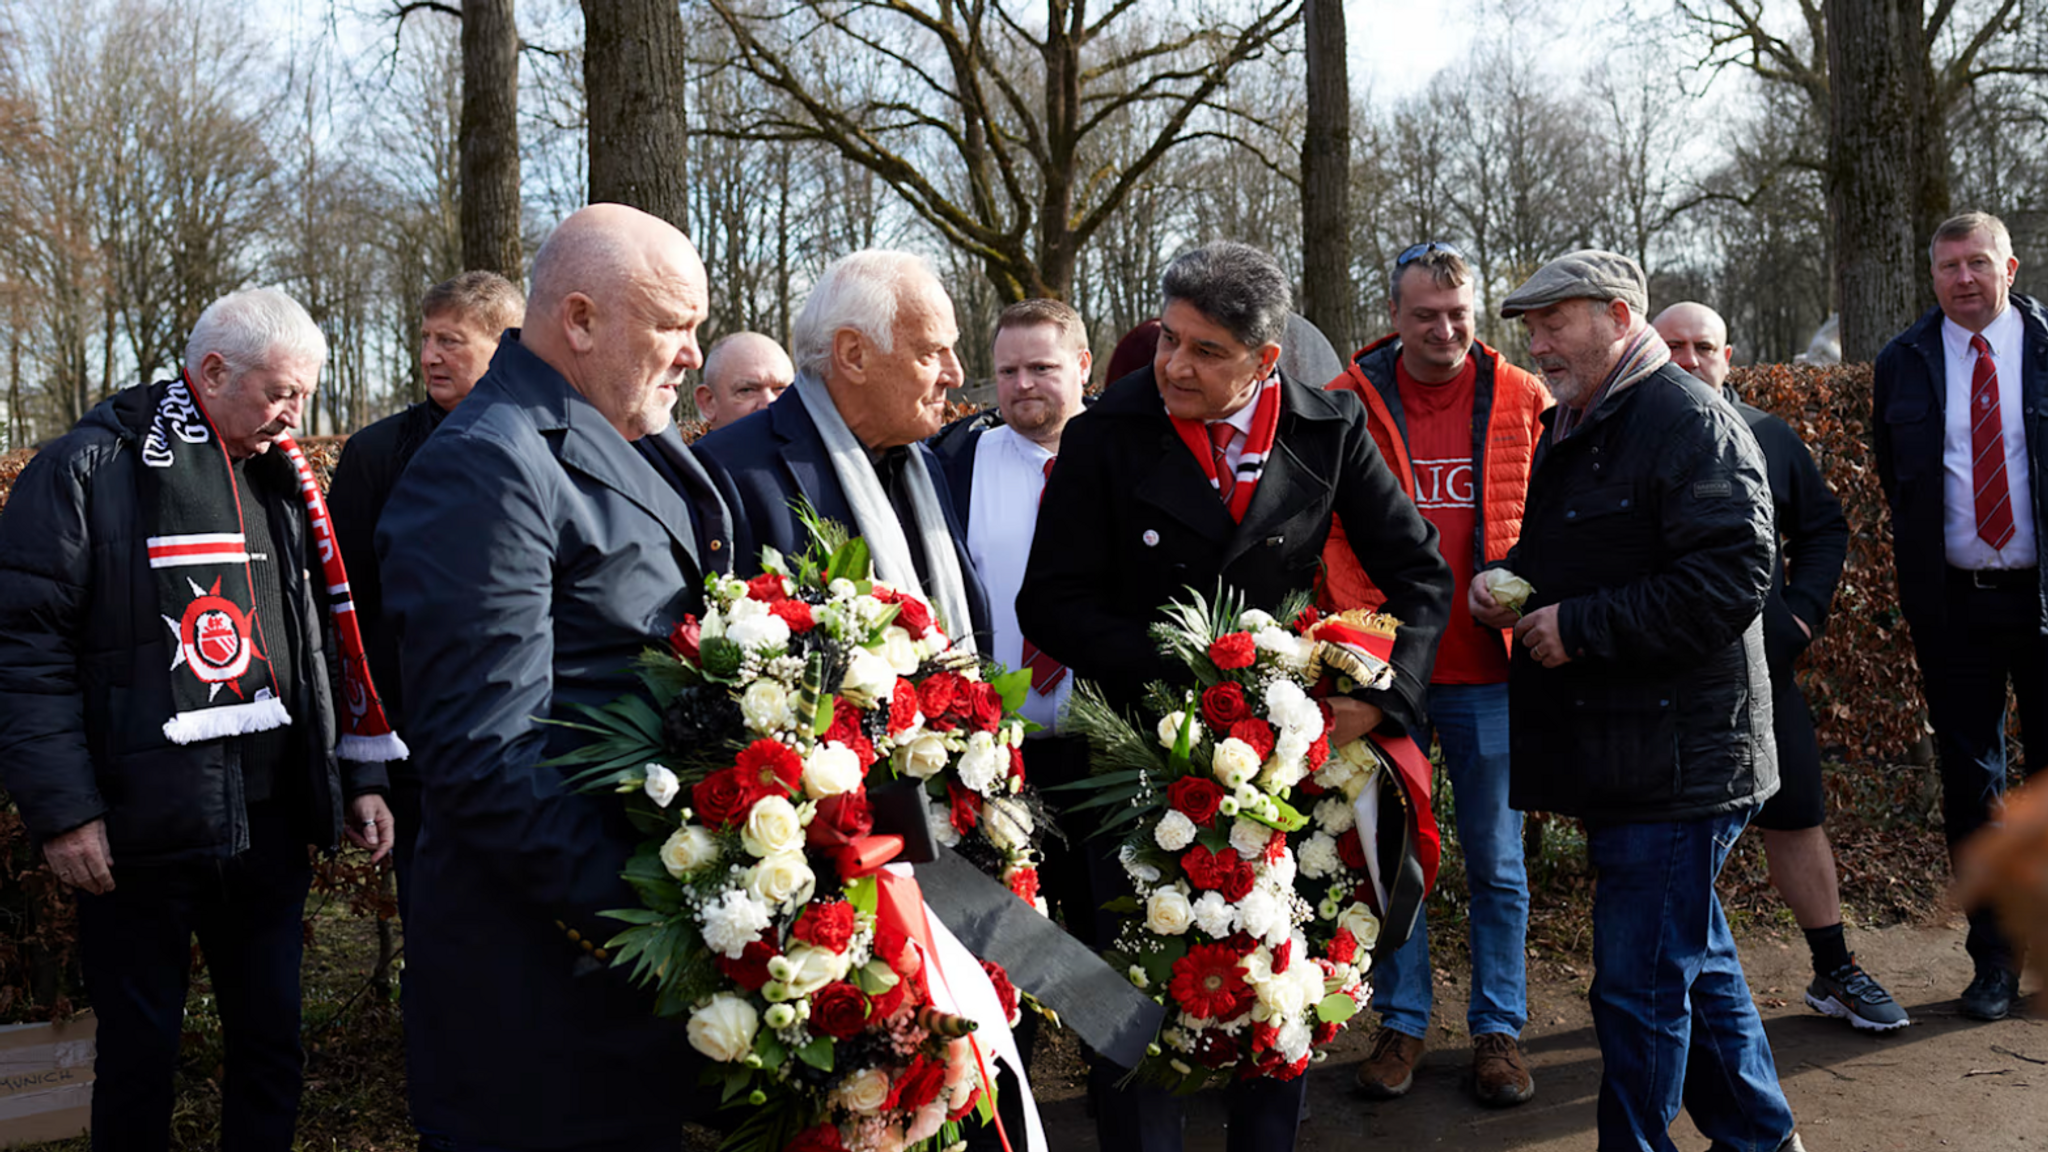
(1987, 447)
(1220, 436)
(1046, 672)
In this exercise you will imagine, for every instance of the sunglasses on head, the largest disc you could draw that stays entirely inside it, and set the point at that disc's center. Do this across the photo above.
(1425, 248)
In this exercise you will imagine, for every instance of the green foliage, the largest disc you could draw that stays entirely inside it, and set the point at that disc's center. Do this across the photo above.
(627, 735)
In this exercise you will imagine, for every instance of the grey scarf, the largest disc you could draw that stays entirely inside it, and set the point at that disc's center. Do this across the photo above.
(875, 517)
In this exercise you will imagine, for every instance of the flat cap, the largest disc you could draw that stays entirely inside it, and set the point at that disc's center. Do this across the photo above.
(1588, 274)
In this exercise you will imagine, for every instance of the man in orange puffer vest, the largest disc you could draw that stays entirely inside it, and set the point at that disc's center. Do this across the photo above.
(1459, 427)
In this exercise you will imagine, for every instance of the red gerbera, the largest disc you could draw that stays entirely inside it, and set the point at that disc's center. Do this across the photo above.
(767, 588)
(1209, 981)
(1234, 650)
(1257, 733)
(769, 768)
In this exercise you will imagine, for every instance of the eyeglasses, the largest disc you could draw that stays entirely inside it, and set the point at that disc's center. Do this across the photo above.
(1425, 248)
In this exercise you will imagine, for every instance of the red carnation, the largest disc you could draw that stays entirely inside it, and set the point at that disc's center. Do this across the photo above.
(847, 729)
(1319, 751)
(984, 706)
(769, 768)
(1016, 763)
(1236, 884)
(722, 799)
(841, 818)
(1223, 705)
(1307, 618)
(1205, 869)
(920, 1083)
(767, 588)
(973, 1099)
(1309, 787)
(1006, 992)
(820, 1138)
(1290, 1071)
(966, 807)
(685, 637)
(903, 707)
(794, 613)
(1209, 981)
(1257, 733)
(1264, 1036)
(826, 924)
(935, 695)
(839, 1010)
(750, 971)
(1196, 797)
(883, 1005)
(1216, 1048)
(913, 617)
(1351, 851)
(1024, 882)
(1283, 956)
(1276, 846)
(1343, 946)
(1325, 1031)
(1234, 650)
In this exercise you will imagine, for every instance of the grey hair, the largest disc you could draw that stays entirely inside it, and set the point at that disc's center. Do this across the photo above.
(1236, 285)
(1969, 224)
(252, 329)
(861, 292)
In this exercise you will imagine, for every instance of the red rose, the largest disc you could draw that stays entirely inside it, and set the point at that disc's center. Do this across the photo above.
(1223, 705)
(913, 616)
(903, 707)
(966, 807)
(769, 768)
(750, 971)
(1016, 763)
(1257, 733)
(920, 1083)
(841, 818)
(1234, 650)
(839, 1010)
(794, 613)
(1024, 882)
(1195, 797)
(722, 799)
(821, 1138)
(984, 707)
(767, 588)
(935, 695)
(1351, 851)
(685, 637)
(1343, 946)
(827, 924)
(1006, 992)
(1216, 1049)
(1236, 884)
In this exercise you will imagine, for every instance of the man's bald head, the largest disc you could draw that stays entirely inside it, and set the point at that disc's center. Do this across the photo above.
(616, 299)
(743, 373)
(1698, 339)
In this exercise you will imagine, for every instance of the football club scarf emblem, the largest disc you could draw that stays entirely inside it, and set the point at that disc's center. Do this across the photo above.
(1251, 463)
(222, 682)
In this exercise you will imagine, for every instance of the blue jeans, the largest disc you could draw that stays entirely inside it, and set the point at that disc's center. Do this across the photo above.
(1471, 723)
(1670, 1006)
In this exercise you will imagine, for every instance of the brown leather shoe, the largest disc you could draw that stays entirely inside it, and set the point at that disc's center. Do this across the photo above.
(1500, 1078)
(1389, 1072)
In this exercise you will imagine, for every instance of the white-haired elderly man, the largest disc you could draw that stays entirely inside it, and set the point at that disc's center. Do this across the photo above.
(165, 583)
(874, 356)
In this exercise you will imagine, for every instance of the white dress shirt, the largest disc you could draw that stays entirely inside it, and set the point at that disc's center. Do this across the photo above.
(1002, 515)
(1242, 421)
(1964, 547)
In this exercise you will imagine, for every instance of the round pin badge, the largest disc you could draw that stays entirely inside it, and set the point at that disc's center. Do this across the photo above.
(1151, 538)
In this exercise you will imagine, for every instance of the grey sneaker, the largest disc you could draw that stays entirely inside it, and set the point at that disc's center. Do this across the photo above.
(1848, 993)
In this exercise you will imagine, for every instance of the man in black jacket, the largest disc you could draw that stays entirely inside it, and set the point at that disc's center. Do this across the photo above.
(1816, 541)
(460, 320)
(1132, 517)
(1639, 697)
(166, 726)
(1962, 476)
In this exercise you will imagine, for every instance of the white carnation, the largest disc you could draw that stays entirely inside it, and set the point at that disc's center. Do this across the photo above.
(1281, 871)
(762, 633)
(1215, 915)
(661, 785)
(724, 1029)
(1264, 915)
(732, 921)
(772, 828)
(983, 765)
(1281, 696)
(1170, 726)
(1290, 650)
(1293, 1040)
(765, 707)
(1234, 762)
(1175, 831)
(1167, 912)
(745, 608)
(1254, 619)
(831, 770)
(1249, 838)
(1335, 816)
(1319, 857)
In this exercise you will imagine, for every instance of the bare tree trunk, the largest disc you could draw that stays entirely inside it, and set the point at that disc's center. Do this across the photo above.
(1326, 295)
(1875, 157)
(489, 138)
(633, 78)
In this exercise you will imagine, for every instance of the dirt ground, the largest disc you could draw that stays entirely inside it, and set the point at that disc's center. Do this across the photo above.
(1944, 1082)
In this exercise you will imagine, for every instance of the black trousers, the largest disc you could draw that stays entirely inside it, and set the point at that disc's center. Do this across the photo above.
(1264, 1115)
(1993, 638)
(136, 947)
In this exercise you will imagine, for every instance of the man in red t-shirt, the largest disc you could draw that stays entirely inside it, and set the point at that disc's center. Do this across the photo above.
(1459, 425)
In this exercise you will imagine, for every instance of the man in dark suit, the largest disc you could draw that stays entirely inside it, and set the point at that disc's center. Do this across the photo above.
(1133, 516)
(1964, 484)
(875, 360)
(529, 554)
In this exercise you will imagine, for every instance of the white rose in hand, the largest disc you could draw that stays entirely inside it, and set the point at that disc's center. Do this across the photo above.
(1507, 589)
(724, 1029)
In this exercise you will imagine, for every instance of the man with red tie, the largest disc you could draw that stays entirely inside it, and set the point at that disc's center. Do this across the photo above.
(1950, 399)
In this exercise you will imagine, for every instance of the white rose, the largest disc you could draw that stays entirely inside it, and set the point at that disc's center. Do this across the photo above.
(865, 1092)
(660, 785)
(983, 765)
(1167, 913)
(1335, 816)
(1249, 838)
(900, 650)
(812, 968)
(763, 633)
(724, 1029)
(1507, 589)
(783, 879)
(1234, 762)
(868, 678)
(1214, 915)
(923, 757)
(765, 706)
(831, 770)
(687, 850)
(1007, 823)
(1169, 730)
(773, 828)
(1364, 926)
(1175, 831)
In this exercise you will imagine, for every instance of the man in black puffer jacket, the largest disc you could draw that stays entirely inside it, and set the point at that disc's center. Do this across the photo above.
(1640, 700)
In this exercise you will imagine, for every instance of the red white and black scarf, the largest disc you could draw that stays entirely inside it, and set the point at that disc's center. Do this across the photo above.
(1258, 444)
(222, 682)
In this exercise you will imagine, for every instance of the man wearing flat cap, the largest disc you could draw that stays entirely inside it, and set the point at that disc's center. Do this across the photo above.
(1639, 695)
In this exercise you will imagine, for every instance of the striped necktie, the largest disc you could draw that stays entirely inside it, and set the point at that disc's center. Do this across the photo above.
(1987, 449)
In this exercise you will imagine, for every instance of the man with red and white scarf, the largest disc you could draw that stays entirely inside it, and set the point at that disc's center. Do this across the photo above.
(172, 611)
